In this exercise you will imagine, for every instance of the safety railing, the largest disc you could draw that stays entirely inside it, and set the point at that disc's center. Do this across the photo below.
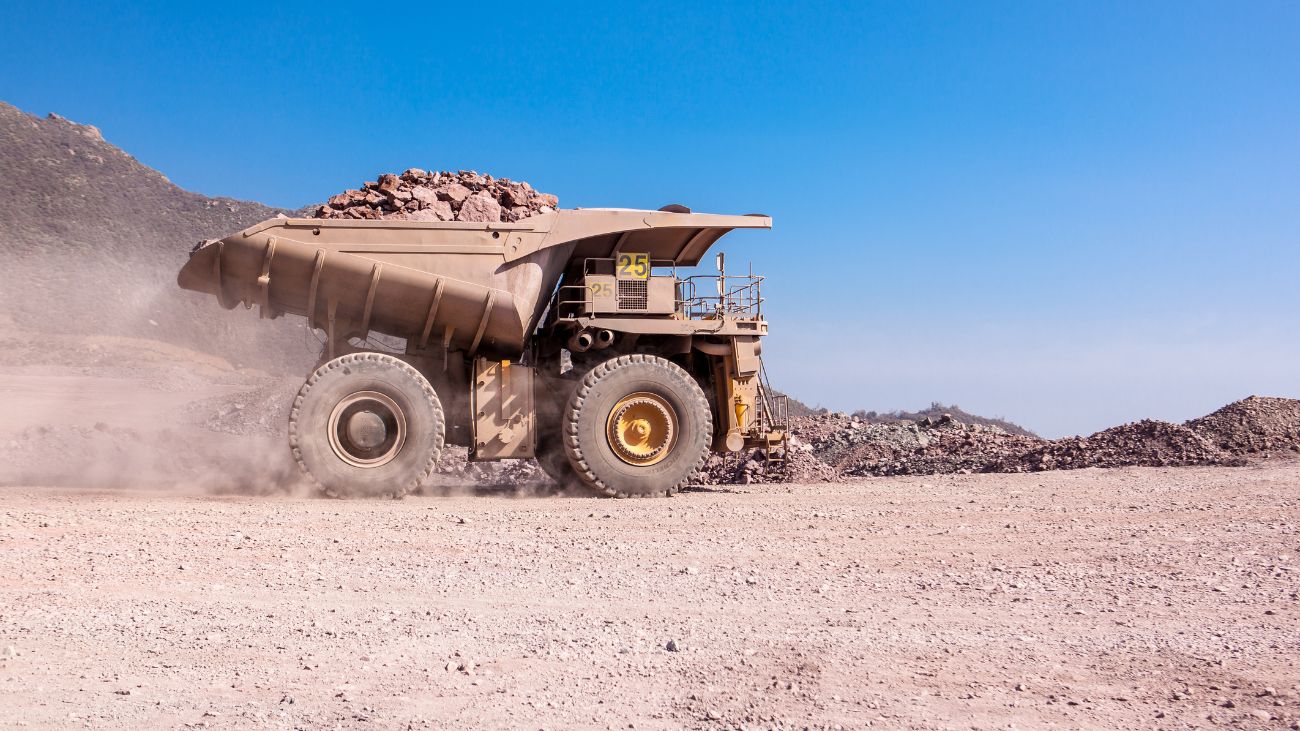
(738, 296)
(699, 297)
(572, 301)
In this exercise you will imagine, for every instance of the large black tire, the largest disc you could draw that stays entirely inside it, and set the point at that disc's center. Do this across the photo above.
(366, 425)
(610, 388)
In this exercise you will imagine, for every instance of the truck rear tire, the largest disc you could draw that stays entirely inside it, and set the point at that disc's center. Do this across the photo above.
(366, 425)
(637, 426)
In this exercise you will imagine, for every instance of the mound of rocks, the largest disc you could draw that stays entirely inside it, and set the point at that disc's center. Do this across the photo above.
(930, 447)
(855, 446)
(1146, 443)
(830, 445)
(1253, 425)
(746, 468)
(417, 195)
(945, 448)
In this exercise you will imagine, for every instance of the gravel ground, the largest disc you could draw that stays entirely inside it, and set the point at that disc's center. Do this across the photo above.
(1138, 597)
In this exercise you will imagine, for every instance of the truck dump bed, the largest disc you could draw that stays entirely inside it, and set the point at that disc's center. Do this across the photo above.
(476, 287)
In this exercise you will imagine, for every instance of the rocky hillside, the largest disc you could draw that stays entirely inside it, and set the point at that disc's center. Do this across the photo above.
(91, 240)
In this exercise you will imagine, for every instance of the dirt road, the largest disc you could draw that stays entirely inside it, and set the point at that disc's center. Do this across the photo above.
(1130, 598)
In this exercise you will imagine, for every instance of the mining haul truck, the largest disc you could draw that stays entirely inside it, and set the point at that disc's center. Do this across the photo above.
(568, 336)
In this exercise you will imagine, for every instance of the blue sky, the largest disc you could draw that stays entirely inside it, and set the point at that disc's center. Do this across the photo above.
(1072, 215)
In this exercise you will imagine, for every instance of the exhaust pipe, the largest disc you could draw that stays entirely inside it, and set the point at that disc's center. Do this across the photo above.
(581, 341)
(604, 339)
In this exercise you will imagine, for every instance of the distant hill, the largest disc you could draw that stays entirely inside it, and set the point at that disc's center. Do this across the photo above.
(799, 409)
(937, 410)
(91, 240)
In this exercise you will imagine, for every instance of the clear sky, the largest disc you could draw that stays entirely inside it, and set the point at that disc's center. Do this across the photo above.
(1068, 214)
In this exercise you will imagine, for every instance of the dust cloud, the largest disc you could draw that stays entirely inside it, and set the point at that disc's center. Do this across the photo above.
(162, 389)
(112, 377)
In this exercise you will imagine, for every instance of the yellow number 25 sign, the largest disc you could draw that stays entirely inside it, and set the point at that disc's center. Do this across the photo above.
(632, 266)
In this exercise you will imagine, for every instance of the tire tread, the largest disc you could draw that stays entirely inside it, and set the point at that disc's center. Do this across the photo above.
(384, 359)
(590, 381)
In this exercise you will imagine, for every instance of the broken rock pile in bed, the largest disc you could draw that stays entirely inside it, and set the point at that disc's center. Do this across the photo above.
(416, 195)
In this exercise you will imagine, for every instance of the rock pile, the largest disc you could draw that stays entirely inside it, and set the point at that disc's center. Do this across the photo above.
(830, 445)
(855, 447)
(751, 467)
(1253, 425)
(416, 195)
(1146, 443)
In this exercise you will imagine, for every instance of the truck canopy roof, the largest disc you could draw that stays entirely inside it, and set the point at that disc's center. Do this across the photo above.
(682, 238)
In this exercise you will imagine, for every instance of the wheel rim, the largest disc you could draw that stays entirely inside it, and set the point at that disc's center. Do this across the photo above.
(367, 429)
(642, 429)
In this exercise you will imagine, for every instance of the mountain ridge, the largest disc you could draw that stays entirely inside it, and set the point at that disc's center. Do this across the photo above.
(91, 240)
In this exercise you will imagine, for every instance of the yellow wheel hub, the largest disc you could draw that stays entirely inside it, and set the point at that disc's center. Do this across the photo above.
(642, 429)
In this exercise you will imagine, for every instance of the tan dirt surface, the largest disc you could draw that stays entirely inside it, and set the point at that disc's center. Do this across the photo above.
(1138, 597)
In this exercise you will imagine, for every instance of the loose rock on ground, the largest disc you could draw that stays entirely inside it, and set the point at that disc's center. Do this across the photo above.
(1136, 597)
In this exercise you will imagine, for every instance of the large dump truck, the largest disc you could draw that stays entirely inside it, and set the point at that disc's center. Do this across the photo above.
(572, 337)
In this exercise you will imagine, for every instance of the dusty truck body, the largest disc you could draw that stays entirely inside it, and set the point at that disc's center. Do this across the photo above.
(568, 336)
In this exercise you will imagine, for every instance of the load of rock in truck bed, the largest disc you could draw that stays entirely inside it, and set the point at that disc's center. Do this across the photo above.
(417, 195)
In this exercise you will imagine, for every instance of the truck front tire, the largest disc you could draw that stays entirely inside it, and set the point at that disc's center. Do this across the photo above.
(637, 426)
(366, 425)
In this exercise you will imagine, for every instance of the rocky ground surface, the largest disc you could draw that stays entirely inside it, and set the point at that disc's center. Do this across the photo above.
(417, 195)
(1128, 598)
